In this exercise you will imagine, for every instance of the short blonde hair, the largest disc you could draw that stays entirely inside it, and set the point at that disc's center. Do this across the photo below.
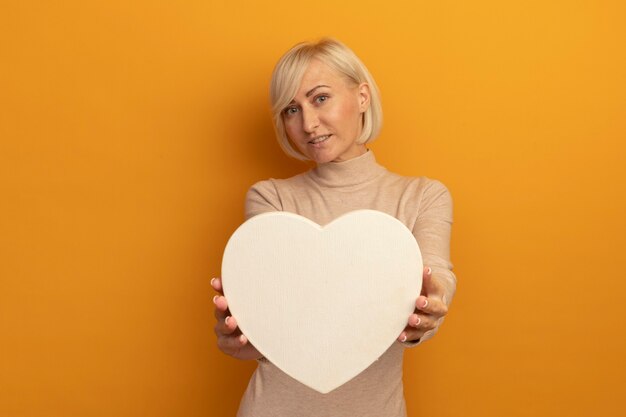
(288, 74)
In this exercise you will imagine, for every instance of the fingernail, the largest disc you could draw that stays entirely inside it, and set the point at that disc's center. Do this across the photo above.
(429, 271)
(417, 323)
(403, 338)
(444, 299)
(215, 298)
(213, 279)
(425, 303)
(226, 320)
(242, 339)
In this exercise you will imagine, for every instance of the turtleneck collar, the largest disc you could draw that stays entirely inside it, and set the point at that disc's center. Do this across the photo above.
(354, 171)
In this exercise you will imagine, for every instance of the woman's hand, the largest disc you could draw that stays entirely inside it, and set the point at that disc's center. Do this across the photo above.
(230, 340)
(430, 307)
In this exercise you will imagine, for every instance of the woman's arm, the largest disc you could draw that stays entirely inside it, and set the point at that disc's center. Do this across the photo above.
(432, 231)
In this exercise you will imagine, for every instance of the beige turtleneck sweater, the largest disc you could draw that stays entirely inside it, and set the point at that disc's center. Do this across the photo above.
(322, 194)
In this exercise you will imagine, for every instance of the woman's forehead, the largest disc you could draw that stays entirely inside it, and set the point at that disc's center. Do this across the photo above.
(319, 74)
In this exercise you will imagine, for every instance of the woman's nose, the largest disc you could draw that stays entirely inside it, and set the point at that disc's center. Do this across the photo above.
(310, 120)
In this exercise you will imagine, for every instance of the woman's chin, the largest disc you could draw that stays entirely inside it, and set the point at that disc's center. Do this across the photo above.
(321, 156)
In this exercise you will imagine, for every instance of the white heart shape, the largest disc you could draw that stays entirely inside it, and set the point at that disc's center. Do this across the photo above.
(322, 303)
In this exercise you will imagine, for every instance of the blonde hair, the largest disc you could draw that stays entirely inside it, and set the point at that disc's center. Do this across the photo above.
(288, 74)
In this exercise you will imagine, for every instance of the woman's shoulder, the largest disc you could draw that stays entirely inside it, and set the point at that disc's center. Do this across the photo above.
(262, 197)
(419, 184)
(272, 185)
(431, 185)
(265, 195)
(423, 192)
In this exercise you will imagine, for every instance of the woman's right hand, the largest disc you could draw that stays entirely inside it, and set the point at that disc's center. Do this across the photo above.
(230, 340)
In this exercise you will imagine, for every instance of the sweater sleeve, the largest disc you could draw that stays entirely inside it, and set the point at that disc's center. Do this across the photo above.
(262, 197)
(432, 231)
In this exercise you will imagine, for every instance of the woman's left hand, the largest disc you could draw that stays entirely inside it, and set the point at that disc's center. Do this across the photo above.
(430, 306)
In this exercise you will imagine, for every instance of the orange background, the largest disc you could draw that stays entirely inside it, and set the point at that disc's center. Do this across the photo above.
(130, 132)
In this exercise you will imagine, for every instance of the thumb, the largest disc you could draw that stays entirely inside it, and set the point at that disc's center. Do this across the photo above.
(430, 286)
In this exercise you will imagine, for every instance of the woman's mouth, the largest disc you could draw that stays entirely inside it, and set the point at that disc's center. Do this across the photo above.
(319, 139)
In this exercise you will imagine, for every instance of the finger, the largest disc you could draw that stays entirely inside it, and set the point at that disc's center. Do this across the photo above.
(220, 302)
(410, 335)
(431, 285)
(431, 305)
(231, 344)
(216, 283)
(220, 312)
(219, 315)
(422, 322)
(226, 326)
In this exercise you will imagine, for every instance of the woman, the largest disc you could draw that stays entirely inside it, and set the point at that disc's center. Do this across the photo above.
(326, 108)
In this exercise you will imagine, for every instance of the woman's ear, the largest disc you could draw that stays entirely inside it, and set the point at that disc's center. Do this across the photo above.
(364, 97)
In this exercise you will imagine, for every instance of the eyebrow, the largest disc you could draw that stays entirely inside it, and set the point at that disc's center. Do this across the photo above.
(311, 91)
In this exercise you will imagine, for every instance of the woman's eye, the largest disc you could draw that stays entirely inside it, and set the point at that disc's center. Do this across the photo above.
(321, 99)
(290, 110)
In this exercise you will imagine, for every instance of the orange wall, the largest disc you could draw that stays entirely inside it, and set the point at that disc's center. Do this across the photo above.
(130, 131)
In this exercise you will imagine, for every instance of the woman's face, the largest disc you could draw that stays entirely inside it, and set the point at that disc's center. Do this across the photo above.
(324, 120)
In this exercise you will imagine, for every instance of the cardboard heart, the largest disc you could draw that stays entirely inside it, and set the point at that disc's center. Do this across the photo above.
(322, 303)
